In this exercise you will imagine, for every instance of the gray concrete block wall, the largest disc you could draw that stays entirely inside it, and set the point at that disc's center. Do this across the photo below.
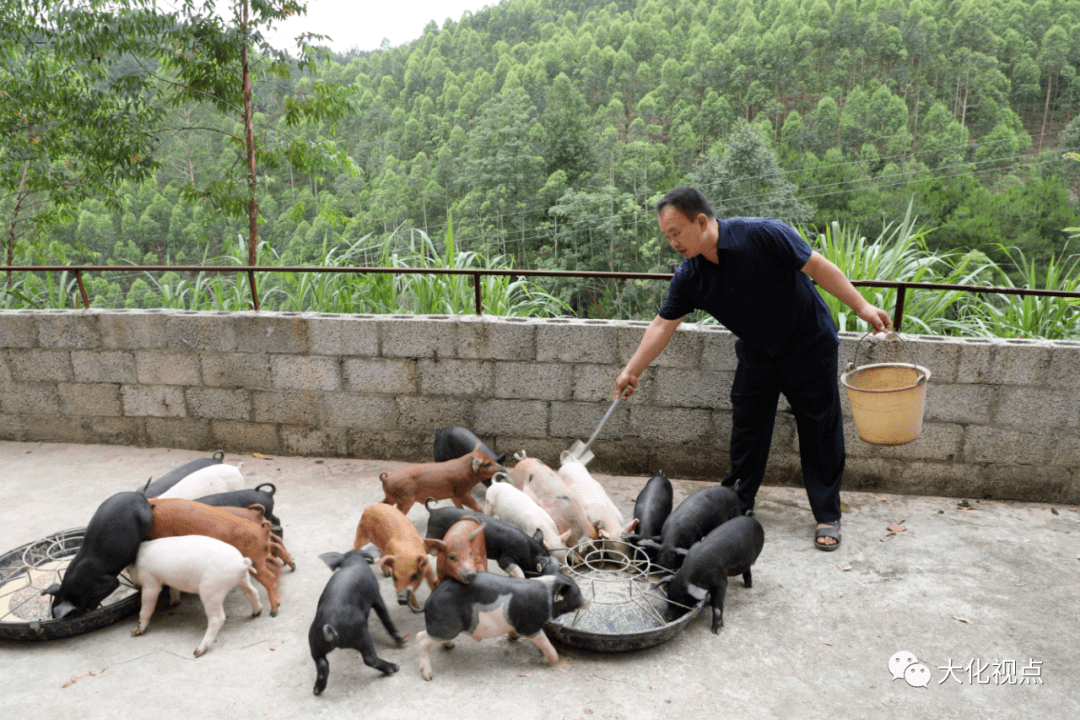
(1002, 417)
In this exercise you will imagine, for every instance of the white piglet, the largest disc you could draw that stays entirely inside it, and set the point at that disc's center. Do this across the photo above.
(217, 478)
(507, 503)
(192, 564)
(599, 508)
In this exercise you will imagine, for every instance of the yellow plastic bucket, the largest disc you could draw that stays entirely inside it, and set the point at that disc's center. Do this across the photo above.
(887, 399)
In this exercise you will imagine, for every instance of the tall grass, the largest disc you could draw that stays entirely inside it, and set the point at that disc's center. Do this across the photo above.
(1027, 316)
(899, 253)
(375, 293)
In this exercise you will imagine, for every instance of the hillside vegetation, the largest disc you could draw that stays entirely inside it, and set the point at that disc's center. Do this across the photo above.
(545, 129)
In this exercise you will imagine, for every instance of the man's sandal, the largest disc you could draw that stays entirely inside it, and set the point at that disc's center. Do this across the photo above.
(832, 531)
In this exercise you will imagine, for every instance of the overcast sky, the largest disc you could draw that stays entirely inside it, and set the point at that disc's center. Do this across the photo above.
(360, 24)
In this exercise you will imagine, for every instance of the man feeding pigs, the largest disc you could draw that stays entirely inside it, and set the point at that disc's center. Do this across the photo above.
(754, 276)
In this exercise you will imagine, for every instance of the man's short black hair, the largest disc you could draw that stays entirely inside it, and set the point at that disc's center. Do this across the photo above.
(687, 200)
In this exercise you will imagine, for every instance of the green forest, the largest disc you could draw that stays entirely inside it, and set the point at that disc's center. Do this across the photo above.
(539, 133)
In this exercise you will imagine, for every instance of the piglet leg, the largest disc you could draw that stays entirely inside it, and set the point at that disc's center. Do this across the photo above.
(718, 593)
(541, 641)
(251, 594)
(150, 591)
(212, 600)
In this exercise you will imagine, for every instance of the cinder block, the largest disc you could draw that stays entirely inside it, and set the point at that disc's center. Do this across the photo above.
(52, 429)
(939, 355)
(566, 341)
(987, 444)
(594, 383)
(680, 426)
(380, 376)
(17, 329)
(190, 330)
(867, 474)
(244, 437)
(85, 399)
(717, 349)
(510, 417)
(68, 329)
(236, 370)
(319, 442)
(426, 415)
(785, 438)
(1064, 364)
(117, 431)
(133, 329)
(288, 408)
(413, 336)
(955, 403)
(1066, 450)
(678, 387)
(920, 478)
(399, 445)
(367, 412)
(1004, 362)
(22, 398)
(683, 350)
(305, 372)
(185, 433)
(455, 377)
(164, 367)
(218, 403)
(97, 366)
(11, 426)
(153, 400)
(579, 420)
(1007, 481)
(40, 365)
(937, 441)
(1023, 362)
(276, 333)
(342, 335)
(1035, 407)
(533, 381)
(495, 338)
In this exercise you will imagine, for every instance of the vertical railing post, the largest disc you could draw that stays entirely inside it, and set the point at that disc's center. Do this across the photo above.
(476, 293)
(898, 314)
(82, 290)
(254, 290)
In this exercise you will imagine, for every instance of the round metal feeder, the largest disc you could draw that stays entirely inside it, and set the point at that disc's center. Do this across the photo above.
(25, 571)
(626, 612)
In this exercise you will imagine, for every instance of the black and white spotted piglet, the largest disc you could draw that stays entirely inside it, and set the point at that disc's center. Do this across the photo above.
(493, 605)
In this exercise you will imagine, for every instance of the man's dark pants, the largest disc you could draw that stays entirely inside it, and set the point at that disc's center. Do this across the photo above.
(815, 403)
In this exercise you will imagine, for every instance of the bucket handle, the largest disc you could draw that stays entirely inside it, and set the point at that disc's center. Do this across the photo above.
(890, 335)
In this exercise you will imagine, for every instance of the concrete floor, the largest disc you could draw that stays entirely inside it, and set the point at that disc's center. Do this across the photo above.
(991, 591)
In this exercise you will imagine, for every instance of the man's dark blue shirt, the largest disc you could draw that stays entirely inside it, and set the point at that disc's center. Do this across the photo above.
(758, 292)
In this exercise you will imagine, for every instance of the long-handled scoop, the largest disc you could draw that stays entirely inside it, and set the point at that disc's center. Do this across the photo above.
(579, 451)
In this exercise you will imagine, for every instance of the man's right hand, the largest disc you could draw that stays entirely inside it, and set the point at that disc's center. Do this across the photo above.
(625, 385)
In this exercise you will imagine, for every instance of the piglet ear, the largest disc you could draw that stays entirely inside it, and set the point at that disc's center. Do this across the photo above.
(333, 560)
(434, 546)
(476, 462)
(663, 581)
(51, 590)
(386, 563)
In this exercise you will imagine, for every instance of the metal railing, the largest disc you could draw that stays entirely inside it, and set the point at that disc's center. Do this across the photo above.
(901, 286)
